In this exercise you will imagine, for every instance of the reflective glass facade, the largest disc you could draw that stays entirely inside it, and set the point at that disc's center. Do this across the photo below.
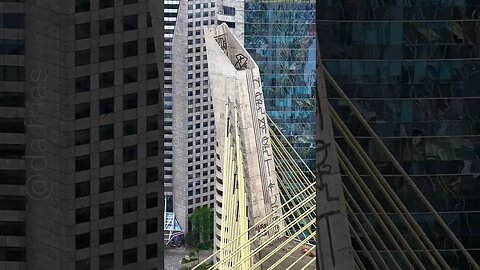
(413, 69)
(281, 38)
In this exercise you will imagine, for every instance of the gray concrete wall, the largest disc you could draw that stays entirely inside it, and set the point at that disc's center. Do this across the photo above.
(334, 247)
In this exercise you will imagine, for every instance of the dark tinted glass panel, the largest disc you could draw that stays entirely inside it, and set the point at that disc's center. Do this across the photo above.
(106, 261)
(106, 3)
(9, 202)
(152, 71)
(12, 125)
(12, 20)
(82, 136)
(106, 158)
(106, 53)
(152, 174)
(106, 236)
(82, 5)
(127, 2)
(130, 75)
(150, 45)
(152, 251)
(130, 101)
(13, 254)
(152, 200)
(12, 99)
(228, 10)
(129, 153)
(12, 177)
(130, 48)
(130, 22)
(12, 228)
(82, 189)
(12, 46)
(152, 97)
(82, 264)
(106, 79)
(129, 230)
(152, 225)
(106, 210)
(82, 57)
(152, 123)
(129, 179)
(129, 127)
(106, 184)
(129, 205)
(82, 84)
(106, 106)
(12, 73)
(82, 163)
(149, 20)
(12, 151)
(129, 256)
(105, 132)
(230, 24)
(82, 110)
(82, 241)
(106, 26)
(82, 215)
(82, 30)
(152, 149)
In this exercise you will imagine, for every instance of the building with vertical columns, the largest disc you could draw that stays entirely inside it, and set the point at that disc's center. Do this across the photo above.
(170, 12)
(192, 124)
(80, 135)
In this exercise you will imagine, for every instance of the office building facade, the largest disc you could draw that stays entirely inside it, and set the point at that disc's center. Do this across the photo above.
(192, 118)
(80, 162)
(280, 36)
(411, 67)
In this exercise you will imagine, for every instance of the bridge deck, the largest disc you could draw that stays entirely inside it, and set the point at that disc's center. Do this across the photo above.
(286, 262)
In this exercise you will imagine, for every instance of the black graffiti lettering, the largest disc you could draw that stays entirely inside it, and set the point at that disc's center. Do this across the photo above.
(265, 141)
(222, 42)
(274, 202)
(241, 61)
(321, 163)
(266, 146)
(259, 102)
(262, 122)
(320, 116)
(268, 165)
(323, 169)
(258, 83)
(327, 216)
(271, 186)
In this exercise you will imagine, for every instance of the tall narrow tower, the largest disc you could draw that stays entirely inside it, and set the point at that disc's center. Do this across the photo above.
(241, 126)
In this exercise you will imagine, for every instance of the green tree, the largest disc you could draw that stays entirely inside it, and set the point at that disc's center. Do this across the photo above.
(202, 224)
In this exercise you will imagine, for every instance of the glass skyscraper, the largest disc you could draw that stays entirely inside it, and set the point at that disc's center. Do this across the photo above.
(280, 36)
(412, 68)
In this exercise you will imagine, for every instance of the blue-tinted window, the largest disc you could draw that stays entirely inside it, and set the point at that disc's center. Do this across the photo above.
(12, 20)
(12, 46)
(228, 10)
